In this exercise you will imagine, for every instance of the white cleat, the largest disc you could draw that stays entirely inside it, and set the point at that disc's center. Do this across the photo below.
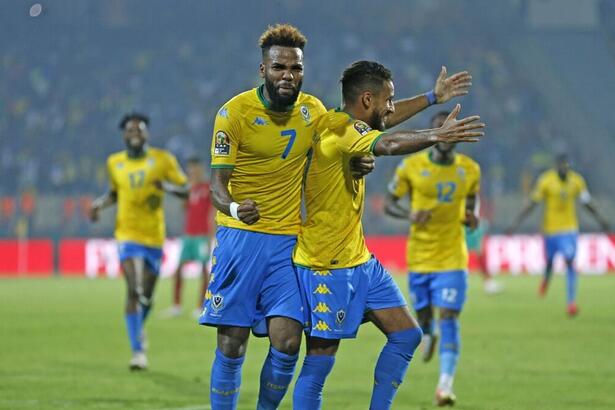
(172, 312)
(138, 361)
(445, 397)
(493, 287)
(428, 346)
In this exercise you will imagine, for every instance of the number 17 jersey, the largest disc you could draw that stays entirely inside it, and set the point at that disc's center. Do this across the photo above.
(268, 152)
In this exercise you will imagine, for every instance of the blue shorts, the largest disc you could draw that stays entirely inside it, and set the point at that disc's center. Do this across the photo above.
(339, 298)
(151, 255)
(442, 289)
(564, 243)
(252, 278)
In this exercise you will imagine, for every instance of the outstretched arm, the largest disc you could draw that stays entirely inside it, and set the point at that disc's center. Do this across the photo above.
(180, 191)
(472, 212)
(591, 207)
(525, 211)
(246, 212)
(406, 142)
(445, 88)
(104, 201)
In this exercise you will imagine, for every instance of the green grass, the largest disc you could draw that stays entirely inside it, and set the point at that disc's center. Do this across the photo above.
(63, 346)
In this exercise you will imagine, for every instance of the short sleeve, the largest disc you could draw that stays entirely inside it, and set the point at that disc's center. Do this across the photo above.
(539, 191)
(400, 184)
(174, 173)
(359, 139)
(474, 187)
(225, 140)
(111, 176)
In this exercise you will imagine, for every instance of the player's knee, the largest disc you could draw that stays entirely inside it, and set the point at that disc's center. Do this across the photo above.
(448, 314)
(289, 343)
(406, 341)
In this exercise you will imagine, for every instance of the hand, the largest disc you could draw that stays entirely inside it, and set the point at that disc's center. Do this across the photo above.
(454, 86)
(248, 212)
(94, 213)
(420, 217)
(158, 184)
(471, 220)
(361, 166)
(463, 130)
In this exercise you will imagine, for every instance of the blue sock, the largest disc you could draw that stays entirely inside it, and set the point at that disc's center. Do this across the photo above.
(225, 382)
(571, 284)
(311, 380)
(133, 326)
(276, 375)
(449, 346)
(392, 366)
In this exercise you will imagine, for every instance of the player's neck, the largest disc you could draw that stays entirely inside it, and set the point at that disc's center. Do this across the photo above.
(441, 158)
(265, 98)
(136, 152)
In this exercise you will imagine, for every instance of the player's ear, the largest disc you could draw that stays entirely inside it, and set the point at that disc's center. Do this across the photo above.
(366, 99)
(261, 70)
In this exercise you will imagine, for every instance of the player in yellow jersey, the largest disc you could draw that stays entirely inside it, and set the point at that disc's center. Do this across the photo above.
(443, 188)
(139, 177)
(559, 188)
(343, 284)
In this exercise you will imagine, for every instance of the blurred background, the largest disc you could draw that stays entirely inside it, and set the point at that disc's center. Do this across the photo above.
(543, 82)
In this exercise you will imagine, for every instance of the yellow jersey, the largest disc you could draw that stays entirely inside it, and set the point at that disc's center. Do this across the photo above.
(559, 197)
(332, 235)
(268, 152)
(140, 213)
(438, 245)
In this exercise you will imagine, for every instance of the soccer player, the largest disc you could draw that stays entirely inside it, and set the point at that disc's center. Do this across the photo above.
(342, 282)
(443, 188)
(139, 177)
(559, 188)
(198, 232)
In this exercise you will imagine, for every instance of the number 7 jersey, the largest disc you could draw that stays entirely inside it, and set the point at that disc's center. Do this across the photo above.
(268, 152)
(438, 245)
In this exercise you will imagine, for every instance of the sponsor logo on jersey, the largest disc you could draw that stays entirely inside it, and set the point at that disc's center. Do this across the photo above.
(322, 289)
(322, 273)
(362, 128)
(259, 121)
(305, 113)
(217, 301)
(461, 172)
(223, 112)
(425, 173)
(321, 307)
(340, 315)
(119, 165)
(222, 144)
(322, 326)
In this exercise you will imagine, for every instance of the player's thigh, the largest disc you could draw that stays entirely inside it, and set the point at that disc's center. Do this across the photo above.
(419, 287)
(240, 264)
(449, 289)
(321, 347)
(392, 319)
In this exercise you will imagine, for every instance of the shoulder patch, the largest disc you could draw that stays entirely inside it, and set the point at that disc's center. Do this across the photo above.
(361, 127)
(222, 144)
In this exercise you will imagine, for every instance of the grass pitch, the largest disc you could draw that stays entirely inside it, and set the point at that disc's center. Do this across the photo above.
(63, 346)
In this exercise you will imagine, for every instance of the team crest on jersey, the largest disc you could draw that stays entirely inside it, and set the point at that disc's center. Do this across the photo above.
(362, 128)
(222, 144)
(259, 121)
(223, 112)
(340, 315)
(305, 113)
(217, 301)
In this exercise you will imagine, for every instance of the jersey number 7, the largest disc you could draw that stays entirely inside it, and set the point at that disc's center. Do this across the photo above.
(292, 134)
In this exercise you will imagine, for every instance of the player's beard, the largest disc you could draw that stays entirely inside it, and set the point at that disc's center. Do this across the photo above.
(135, 149)
(279, 102)
(377, 121)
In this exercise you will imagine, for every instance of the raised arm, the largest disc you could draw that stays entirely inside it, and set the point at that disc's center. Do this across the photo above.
(445, 89)
(468, 129)
(246, 212)
(472, 211)
(528, 207)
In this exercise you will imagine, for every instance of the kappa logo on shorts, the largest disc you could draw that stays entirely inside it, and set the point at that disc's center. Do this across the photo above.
(362, 128)
(340, 315)
(322, 273)
(217, 301)
(322, 289)
(321, 307)
(222, 144)
(322, 326)
(208, 294)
